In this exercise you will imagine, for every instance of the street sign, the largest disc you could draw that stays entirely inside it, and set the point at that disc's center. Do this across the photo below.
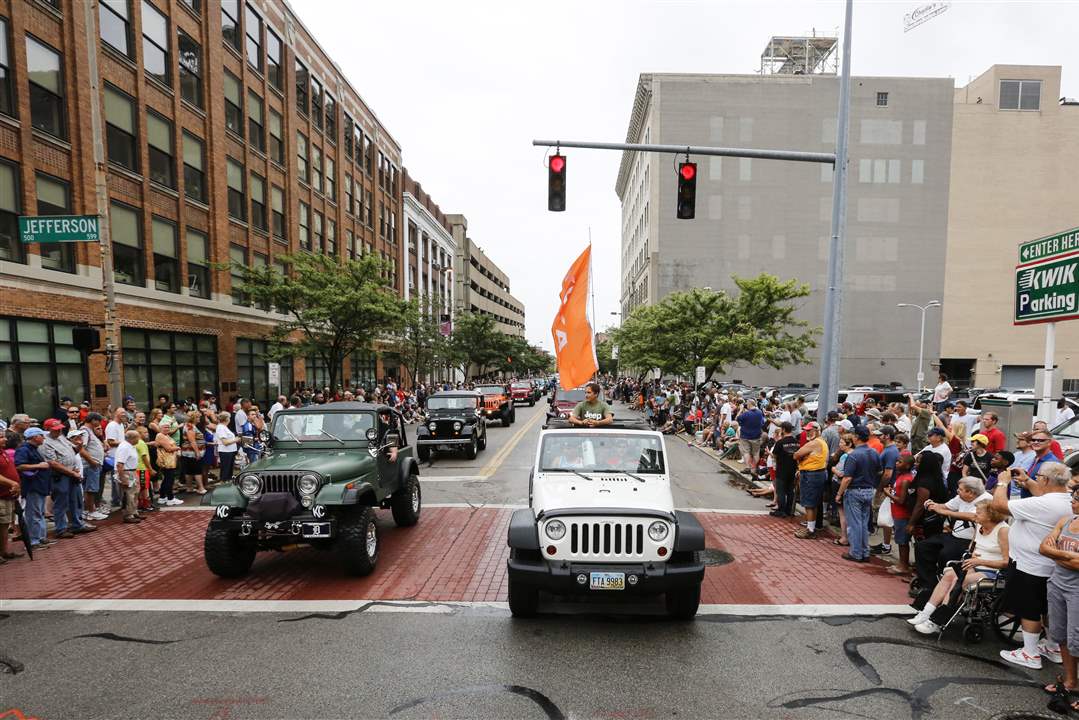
(1046, 247)
(700, 375)
(59, 228)
(1047, 291)
(274, 374)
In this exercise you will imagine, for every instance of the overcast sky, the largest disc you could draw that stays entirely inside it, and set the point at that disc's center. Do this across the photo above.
(464, 87)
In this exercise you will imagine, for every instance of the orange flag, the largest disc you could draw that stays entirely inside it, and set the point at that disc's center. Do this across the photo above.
(573, 340)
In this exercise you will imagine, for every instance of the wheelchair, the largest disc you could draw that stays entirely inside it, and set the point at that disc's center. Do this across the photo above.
(979, 608)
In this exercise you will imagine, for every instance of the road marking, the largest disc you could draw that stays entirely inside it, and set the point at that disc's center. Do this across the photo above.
(84, 606)
(451, 478)
(502, 454)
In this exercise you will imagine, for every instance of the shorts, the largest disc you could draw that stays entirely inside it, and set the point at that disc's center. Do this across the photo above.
(813, 484)
(7, 513)
(1063, 617)
(91, 479)
(1024, 594)
(899, 530)
(752, 448)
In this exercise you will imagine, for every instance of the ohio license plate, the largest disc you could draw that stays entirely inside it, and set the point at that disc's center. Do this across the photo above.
(607, 581)
(315, 529)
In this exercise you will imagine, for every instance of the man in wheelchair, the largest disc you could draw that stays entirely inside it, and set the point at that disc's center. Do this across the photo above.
(933, 553)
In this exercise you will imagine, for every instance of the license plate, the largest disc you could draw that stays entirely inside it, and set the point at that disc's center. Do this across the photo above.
(607, 581)
(315, 529)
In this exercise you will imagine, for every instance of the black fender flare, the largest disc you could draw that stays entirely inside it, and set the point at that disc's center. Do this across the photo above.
(523, 531)
(405, 467)
(688, 535)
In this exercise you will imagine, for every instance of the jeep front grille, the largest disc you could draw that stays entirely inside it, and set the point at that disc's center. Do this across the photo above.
(279, 482)
(607, 539)
(444, 427)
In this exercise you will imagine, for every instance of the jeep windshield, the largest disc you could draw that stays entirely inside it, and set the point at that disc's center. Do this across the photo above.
(451, 403)
(602, 451)
(322, 427)
(491, 389)
(570, 396)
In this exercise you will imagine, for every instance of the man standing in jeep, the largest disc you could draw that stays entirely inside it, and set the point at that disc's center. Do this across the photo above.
(593, 411)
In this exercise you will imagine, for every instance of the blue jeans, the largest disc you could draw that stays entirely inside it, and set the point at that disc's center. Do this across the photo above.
(858, 505)
(66, 500)
(35, 517)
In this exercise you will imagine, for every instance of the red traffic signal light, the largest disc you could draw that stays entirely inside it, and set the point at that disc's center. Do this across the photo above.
(556, 183)
(688, 171)
(687, 191)
(558, 163)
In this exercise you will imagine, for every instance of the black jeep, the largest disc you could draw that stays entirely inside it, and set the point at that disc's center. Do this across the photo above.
(454, 422)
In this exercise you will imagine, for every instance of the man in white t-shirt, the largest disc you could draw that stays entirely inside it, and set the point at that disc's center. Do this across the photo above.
(941, 393)
(963, 414)
(1032, 520)
(114, 432)
(936, 436)
(127, 474)
(281, 404)
(1064, 412)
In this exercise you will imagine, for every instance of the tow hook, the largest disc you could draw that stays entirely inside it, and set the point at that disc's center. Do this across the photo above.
(295, 528)
(245, 529)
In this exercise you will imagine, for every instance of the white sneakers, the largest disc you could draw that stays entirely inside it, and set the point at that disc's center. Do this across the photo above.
(175, 501)
(1019, 657)
(162, 501)
(928, 628)
(1049, 653)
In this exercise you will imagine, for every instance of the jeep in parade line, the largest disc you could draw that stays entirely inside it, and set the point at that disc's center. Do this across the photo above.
(497, 404)
(601, 521)
(455, 421)
(327, 470)
(523, 391)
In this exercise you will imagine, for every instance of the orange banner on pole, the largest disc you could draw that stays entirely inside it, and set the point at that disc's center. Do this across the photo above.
(573, 340)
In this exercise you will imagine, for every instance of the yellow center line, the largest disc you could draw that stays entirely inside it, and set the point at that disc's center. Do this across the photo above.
(502, 454)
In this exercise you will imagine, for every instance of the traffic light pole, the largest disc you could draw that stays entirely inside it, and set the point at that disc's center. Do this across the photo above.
(694, 150)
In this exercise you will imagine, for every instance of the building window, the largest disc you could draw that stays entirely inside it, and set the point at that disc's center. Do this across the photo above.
(381, 170)
(234, 114)
(331, 119)
(277, 142)
(167, 363)
(302, 81)
(120, 129)
(194, 5)
(7, 90)
(393, 226)
(190, 61)
(11, 247)
(258, 201)
(316, 102)
(277, 211)
(369, 154)
(114, 17)
(301, 157)
(273, 60)
(194, 163)
(198, 264)
(357, 143)
(237, 202)
(253, 29)
(364, 369)
(331, 179)
(316, 167)
(256, 135)
(1020, 94)
(318, 372)
(331, 238)
(882, 99)
(316, 232)
(253, 371)
(305, 233)
(39, 364)
(237, 261)
(54, 198)
(370, 208)
(45, 73)
(166, 256)
(230, 22)
(162, 151)
(155, 44)
(350, 245)
(348, 194)
(128, 263)
(348, 136)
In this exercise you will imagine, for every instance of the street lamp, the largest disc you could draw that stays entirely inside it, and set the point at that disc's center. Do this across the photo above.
(921, 339)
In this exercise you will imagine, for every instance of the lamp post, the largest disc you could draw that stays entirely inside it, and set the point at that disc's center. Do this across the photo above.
(920, 378)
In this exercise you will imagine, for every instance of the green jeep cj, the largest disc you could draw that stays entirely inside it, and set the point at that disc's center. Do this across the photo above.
(327, 469)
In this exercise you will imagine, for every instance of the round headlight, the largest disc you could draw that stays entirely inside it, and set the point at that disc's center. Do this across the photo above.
(431, 426)
(250, 485)
(563, 415)
(307, 501)
(457, 427)
(308, 485)
(657, 531)
(556, 530)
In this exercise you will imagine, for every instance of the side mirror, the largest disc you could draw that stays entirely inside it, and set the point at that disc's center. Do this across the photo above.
(372, 434)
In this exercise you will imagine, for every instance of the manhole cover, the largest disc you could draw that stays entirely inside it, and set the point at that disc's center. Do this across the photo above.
(714, 557)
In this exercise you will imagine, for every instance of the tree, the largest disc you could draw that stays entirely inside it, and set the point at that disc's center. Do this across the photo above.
(419, 342)
(475, 341)
(331, 308)
(521, 358)
(605, 356)
(699, 327)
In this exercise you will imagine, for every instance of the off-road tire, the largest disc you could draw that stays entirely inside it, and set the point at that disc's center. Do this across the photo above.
(531, 403)
(351, 543)
(405, 512)
(682, 604)
(507, 417)
(227, 555)
(524, 600)
(423, 453)
(483, 440)
(470, 450)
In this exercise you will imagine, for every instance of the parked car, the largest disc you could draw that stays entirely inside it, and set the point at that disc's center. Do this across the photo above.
(497, 404)
(455, 422)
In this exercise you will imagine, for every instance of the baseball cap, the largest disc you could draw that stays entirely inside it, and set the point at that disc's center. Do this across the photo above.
(875, 431)
(980, 438)
(861, 432)
(75, 433)
(33, 432)
(887, 431)
(811, 426)
(52, 424)
(937, 431)
(873, 412)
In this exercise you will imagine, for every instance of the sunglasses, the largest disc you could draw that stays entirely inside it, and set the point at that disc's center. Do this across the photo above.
(1039, 440)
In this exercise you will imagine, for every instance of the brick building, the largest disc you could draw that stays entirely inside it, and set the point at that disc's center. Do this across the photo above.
(230, 136)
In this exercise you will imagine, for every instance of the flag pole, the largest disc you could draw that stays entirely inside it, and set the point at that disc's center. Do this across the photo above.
(592, 290)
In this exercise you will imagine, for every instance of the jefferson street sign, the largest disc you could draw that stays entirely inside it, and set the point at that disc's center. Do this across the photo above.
(1047, 291)
(59, 228)
(1046, 247)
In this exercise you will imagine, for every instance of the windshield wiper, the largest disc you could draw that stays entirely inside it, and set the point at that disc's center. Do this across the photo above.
(638, 478)
(568, 470)
(285, 428)
(332, 436)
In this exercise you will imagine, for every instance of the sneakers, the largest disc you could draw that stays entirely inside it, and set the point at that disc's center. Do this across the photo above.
(98, 515)
(928, 628)
(1048, 653)
(881, 549)
(918, 619)
(174, 502)
(162, 501)
(1019, 657)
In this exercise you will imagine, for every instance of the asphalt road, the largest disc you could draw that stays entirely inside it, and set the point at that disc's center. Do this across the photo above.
(455, 661)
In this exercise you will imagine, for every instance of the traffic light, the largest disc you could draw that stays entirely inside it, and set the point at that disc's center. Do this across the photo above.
(85, 339)
(687, 190)
(556, 183)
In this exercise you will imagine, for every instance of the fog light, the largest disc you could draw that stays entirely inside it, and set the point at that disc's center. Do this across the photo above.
(551, 549)
(307, 501)
(582, 579)
(662, 552)
(632, 579)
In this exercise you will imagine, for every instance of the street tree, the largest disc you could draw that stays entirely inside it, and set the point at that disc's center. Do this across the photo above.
(418, 342)
(475, 341)
(330, 308)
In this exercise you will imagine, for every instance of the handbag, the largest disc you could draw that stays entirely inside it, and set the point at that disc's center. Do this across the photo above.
(884, 514)
(166, 459)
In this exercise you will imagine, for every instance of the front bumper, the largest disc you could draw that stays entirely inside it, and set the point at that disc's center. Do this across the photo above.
(561, 578)
(444, 441)
(300, 527)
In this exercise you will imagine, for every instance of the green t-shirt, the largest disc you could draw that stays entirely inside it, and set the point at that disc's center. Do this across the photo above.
(591, 411)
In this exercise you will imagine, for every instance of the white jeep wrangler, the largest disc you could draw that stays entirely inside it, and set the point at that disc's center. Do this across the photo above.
(601, 521)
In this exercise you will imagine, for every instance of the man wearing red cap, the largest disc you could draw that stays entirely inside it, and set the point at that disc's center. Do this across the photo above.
(63, 460)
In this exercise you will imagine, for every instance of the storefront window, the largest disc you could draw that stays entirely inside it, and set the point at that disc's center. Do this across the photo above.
(38, 366)
(174, 364)
(364, 369)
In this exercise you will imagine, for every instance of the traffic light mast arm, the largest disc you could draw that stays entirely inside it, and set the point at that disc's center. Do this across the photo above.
(797, 156)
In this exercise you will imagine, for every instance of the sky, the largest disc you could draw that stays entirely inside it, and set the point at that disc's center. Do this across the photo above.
(465, 87)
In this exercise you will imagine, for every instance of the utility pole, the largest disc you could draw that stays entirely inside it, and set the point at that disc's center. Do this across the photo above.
(112, 335)
(832, 349)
